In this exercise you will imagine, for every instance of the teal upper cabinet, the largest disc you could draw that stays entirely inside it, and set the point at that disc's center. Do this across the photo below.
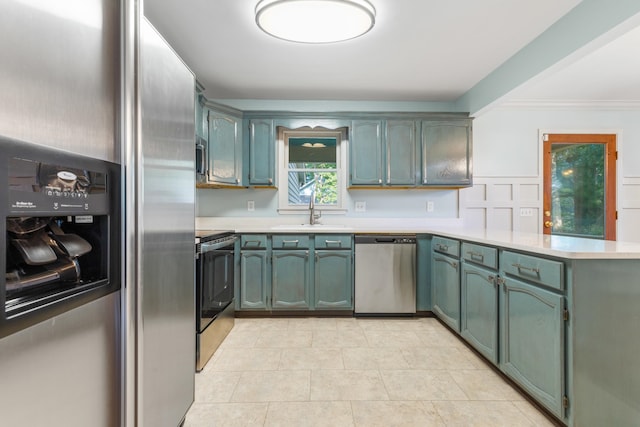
(446, 152)
(261, 152)
(383, 152)
(401, 150)
(366, 153)
(225, 148)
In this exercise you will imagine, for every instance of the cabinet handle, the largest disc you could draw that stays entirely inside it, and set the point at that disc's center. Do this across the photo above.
(290, 242)
(522, 267)
(333, 242)
(252, 243)
(491, 279)
(380, 181)
(444, 248)
(270, 181)
(476, 256)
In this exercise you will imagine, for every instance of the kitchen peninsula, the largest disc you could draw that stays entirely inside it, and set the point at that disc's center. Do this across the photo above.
(557, 315)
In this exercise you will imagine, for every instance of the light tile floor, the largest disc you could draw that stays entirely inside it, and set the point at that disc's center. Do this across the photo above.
(352, 372)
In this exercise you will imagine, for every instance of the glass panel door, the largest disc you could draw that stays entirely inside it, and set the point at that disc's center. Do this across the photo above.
(580, 185)
(578, 190)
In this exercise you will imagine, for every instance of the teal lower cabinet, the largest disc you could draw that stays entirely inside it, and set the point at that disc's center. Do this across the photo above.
(333, 279)
(255, 281)
(479, 309)
(445, 281)
(532, 350)
(290, 282)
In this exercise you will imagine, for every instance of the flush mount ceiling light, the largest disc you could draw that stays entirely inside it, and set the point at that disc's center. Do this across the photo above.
(315, 21)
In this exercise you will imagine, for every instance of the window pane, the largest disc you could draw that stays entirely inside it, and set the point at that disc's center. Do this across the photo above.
(302, 184)
(578, 190)
(312, 151)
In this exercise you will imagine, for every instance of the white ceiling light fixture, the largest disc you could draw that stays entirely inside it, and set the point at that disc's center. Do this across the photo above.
(315, 21)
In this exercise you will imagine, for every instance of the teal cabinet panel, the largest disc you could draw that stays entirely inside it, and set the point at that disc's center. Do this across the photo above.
(290, 280)
(253, 241)
(366, 155)
(446, 246)
(446, 153)
(225, 149)
(290, 241)
(333, 241)
(479, 309)
(532, 350)
(480, 255)
(401, 152)
(254, 280)
(333, 279)
(262, 152)
(535, 269)
(445, 286)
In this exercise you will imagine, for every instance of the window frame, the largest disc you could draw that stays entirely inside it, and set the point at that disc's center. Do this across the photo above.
(283, 135)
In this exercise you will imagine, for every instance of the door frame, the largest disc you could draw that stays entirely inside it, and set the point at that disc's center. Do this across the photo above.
(610, 139)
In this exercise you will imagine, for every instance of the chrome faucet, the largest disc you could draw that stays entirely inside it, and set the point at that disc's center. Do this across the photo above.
(313, 216)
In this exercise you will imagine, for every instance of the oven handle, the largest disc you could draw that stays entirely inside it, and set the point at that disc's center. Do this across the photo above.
(210, 246)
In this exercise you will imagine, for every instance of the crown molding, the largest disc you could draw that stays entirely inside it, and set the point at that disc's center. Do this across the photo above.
(571, 104)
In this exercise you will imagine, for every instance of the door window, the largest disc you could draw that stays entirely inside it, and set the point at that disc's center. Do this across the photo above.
(579, 180)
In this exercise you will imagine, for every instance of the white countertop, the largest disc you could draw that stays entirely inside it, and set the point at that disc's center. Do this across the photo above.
(557, 246)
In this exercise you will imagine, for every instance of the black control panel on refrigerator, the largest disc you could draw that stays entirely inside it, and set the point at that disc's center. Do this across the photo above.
(60, 219)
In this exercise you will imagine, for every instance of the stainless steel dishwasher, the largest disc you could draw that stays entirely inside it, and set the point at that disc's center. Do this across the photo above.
(385, 274)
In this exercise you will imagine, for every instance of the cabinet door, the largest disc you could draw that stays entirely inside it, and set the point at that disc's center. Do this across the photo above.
(401, 150)
(445, 284)
(333, 284)
(261, 152)
(479, 309)
(224, 149)
(254, 280)
(290, 280)
(365, 158)
(532, 341)
(446, 153)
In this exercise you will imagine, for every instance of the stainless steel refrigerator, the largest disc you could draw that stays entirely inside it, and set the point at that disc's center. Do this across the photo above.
(161, 216)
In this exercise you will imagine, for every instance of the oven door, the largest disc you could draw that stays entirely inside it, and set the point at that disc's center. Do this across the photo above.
(214, 283)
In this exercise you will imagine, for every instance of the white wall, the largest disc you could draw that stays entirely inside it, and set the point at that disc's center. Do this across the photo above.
(380, 203)
(508, 165)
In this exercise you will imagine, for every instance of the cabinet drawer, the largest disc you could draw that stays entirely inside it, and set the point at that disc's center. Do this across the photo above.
(446, 246)
(540, 270)
(481, 255)
(253, 241)
(333, 241)
(290, 241)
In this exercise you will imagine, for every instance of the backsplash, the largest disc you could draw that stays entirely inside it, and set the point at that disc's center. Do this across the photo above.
(379, 203)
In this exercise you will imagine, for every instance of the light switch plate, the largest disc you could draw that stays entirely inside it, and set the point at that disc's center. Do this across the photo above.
(251, 205)
(361, 206)
(526, 211)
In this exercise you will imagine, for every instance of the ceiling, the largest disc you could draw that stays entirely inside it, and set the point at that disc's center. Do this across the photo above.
(419, 50)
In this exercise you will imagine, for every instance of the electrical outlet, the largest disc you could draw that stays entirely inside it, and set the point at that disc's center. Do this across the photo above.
(361, 206)
(526, 212)
(251, 205)
(430, 206)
